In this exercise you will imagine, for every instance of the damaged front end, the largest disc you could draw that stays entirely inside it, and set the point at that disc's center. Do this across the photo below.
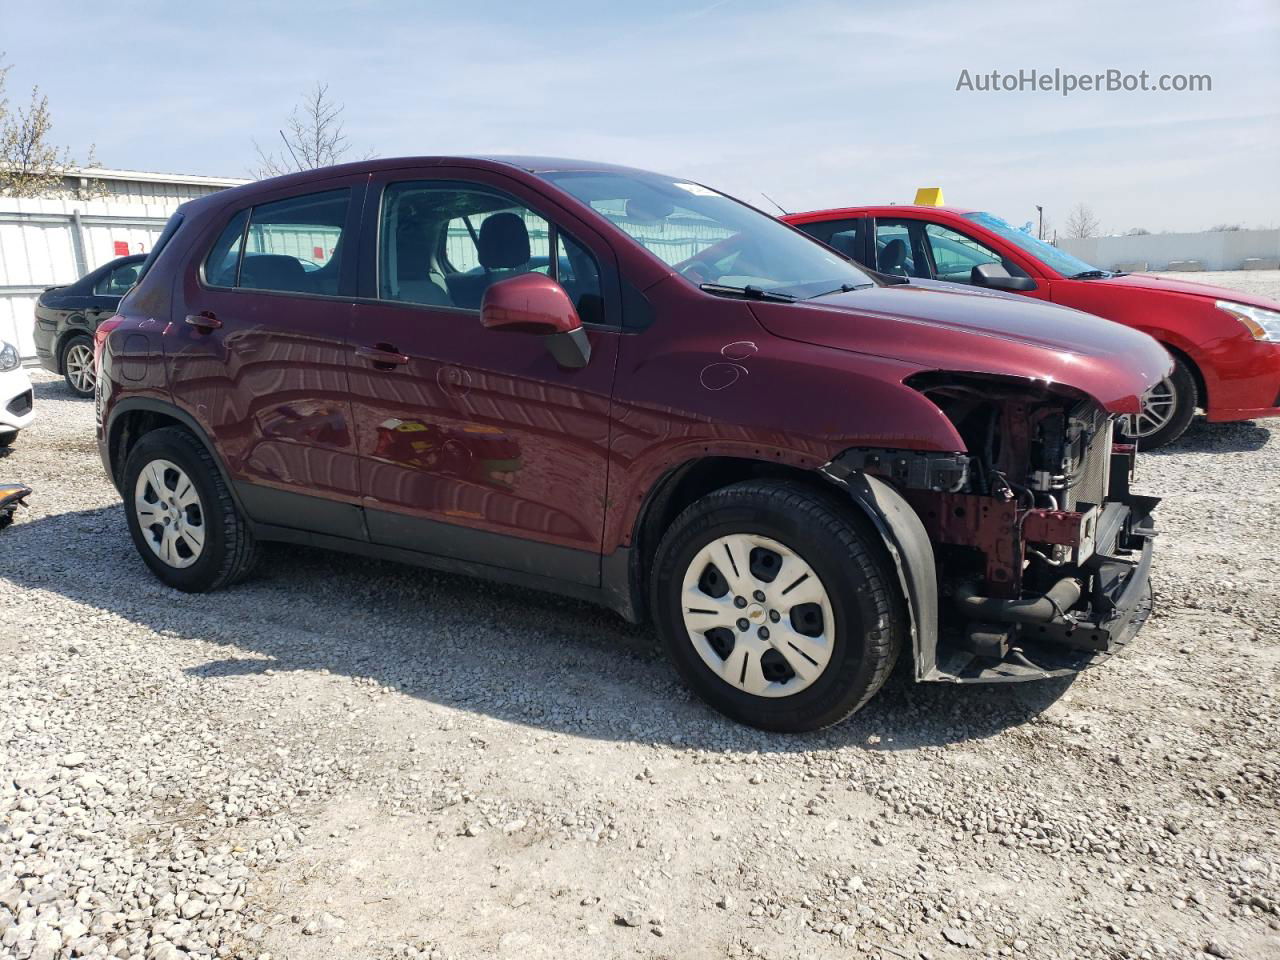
(1042, 554)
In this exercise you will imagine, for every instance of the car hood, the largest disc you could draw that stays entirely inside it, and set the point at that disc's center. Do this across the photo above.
(974, 331)
(1145, 281)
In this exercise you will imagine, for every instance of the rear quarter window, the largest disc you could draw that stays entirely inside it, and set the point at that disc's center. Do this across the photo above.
(162, 241)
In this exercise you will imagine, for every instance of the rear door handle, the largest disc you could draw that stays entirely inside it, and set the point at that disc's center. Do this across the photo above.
(382, 355)
(203, 321)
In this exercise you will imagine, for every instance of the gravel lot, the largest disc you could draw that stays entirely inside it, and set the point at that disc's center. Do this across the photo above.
(350, 759)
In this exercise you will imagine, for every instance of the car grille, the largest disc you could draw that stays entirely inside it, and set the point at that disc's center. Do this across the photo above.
(1093, 470)
(21, 404)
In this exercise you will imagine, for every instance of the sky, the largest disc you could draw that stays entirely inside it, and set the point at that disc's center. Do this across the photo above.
(817, 104)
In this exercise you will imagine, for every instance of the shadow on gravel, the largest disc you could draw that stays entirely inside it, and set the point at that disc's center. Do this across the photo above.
(55, 390)
(1205, 437)
(513, 654)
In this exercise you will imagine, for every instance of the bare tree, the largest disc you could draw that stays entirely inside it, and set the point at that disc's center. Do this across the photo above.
(1081, 222)
(30, 164)
(1226, 228)
(313, 137)
(1137, 232)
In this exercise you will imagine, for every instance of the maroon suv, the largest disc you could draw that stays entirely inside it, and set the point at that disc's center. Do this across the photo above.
(634, 389)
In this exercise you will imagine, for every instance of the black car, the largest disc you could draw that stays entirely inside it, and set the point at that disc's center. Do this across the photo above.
(66, 318)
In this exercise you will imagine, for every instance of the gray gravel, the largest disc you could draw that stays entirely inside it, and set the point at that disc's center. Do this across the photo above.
(350, 759)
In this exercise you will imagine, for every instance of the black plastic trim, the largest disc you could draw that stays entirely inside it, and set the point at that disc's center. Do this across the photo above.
(485, 547)
(302, 511)
(908, 544)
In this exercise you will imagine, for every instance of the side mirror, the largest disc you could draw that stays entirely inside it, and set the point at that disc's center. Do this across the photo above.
(534, 303)
(995, 276)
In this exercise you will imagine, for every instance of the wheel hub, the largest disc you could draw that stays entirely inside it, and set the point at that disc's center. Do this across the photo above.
(170, 514)
(758, 615)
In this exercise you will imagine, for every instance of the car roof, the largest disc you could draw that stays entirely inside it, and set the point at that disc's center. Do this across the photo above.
(876, 208)
(529, 164)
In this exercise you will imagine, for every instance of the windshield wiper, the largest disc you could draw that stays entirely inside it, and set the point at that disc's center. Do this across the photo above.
(750, 292)
(1090, 275)
(843, 288)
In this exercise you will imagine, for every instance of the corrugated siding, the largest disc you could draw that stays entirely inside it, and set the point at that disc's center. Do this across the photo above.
(40, 253)
(17, 321)
(37, 241)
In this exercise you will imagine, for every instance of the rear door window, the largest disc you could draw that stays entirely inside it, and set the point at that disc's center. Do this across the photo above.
(295, 245)
(901, 248)
(222, 265)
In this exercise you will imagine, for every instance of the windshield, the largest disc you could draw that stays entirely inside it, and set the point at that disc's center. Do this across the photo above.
(710, 239)
(1046, 253)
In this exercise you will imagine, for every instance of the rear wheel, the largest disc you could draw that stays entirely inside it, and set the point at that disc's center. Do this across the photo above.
(6, 439)
(1167, 410)
(181, 516)
(77, 365)
(775, 606)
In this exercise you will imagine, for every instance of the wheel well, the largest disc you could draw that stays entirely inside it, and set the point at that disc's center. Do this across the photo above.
(1202, 392)
(129, 428)
(692, 481)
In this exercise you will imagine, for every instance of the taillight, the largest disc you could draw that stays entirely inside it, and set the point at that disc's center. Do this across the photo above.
(100, 338)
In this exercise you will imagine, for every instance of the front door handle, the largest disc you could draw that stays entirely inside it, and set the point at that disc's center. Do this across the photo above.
(203, 321)
(382, 355)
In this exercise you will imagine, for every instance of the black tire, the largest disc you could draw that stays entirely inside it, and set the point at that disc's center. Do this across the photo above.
(1186, 399)
(79, 340)
(852, 566)
(7, 439)
(230, 550)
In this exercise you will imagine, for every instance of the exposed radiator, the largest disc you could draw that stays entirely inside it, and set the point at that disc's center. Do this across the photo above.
(1093, 471)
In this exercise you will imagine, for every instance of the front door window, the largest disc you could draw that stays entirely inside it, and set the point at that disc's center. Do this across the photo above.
(955, 255)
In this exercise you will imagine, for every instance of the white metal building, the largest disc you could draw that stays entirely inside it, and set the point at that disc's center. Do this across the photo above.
(96, 216)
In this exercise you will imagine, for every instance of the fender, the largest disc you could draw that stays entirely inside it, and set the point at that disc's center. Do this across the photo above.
(908, 544)
(151, 405)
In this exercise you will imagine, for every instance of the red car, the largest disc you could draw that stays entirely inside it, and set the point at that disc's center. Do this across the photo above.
(631, 388)
(1225, 343)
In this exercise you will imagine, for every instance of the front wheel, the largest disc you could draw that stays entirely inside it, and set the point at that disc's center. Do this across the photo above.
(1167, 410)
(77, 365)
(776, 607)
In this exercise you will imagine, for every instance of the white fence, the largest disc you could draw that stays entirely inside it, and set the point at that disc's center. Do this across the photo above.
(1220, 250)
(45, 243)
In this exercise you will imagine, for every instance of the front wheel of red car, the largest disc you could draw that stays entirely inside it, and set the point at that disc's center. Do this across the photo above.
(776, 607)
(1167, 410)
(181, 515)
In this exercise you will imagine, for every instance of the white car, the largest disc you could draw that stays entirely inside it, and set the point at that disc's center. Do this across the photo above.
(16, 398)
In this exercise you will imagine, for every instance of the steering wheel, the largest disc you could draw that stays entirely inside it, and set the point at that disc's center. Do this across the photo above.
(699, 271)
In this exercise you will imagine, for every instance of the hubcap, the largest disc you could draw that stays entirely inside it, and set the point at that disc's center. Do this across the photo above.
(1158, 408)
(79, 363)
(169, 513)
(758, 615)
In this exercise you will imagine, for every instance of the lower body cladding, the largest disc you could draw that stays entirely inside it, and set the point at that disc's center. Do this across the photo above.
(1018, 591)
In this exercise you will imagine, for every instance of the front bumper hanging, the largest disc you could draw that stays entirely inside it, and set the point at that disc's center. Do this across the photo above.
(1090, 614)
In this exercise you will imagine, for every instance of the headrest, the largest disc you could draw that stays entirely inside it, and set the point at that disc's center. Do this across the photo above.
(649, 209)
(127, 277)
(894, 254)
(503, 242)
(272, 271)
